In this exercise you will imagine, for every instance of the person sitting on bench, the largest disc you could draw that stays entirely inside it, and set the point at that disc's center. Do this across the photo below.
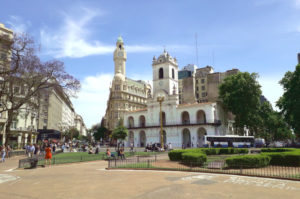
(109, 154)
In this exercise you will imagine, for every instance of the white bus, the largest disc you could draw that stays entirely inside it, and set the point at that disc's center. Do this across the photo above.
(229, 141)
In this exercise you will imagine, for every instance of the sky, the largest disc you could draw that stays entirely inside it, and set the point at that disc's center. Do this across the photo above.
(261, 36)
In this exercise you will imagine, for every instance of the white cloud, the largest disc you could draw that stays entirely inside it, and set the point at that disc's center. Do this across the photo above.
(92, 99)
(71, 39)
(271, 89)
(17, 24)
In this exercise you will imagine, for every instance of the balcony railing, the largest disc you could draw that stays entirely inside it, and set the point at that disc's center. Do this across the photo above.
(175, 124)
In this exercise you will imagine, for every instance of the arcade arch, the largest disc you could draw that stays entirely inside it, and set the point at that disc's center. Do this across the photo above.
(186, 138)
(201, 117)
(200, 137)
(185, 117)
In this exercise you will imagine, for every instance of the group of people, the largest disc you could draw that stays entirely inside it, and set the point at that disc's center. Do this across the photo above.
(36, 149)
(120, 151)
(157, 147)
(4, 152)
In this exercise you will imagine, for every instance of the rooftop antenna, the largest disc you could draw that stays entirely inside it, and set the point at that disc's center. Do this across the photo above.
(196, 43)
(213, 58)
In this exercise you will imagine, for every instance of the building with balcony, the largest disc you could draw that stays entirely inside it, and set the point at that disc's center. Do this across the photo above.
(183, 124)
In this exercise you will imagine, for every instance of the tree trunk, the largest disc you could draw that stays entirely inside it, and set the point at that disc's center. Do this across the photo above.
(8, 124)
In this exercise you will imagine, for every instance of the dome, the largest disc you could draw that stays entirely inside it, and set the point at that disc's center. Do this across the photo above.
(120, 39)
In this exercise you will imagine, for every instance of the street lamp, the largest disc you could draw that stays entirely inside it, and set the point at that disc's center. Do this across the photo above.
(160, 99)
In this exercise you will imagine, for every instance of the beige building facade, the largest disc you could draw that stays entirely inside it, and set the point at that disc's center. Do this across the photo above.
(56, 110)
(6, 36)
(125, 93)
(80, 126)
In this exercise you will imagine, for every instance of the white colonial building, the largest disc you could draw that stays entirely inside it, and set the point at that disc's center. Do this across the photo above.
(183, 124)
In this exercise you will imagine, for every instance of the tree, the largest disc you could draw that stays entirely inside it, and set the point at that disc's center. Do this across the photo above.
(24, 76)
(71, 133)
(100, 133)
(289, 102)
(271, 125)
(120, 132)
(240, 94)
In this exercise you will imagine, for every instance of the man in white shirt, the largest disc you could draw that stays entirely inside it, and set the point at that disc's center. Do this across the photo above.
(32, 149)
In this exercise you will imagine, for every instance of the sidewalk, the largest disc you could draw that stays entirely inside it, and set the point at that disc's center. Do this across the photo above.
(10, 163)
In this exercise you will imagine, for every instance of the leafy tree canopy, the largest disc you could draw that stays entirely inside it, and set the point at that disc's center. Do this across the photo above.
(289, 103)
(240, 94)
(101, 132)
(120, 132)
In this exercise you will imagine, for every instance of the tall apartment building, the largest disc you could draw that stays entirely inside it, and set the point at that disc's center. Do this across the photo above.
(56, 110)
(201, 85)
(125, 94)
(213, 82)
(80, 126)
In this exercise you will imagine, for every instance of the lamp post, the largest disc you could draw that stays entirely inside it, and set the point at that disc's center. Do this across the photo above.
(160, 99)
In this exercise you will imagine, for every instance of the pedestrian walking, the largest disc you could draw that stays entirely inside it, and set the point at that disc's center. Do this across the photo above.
(3, 153)
(131, 147)
(31, 150)
(48, 155)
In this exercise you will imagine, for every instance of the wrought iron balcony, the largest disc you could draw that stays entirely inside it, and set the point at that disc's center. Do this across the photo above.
(174, 124)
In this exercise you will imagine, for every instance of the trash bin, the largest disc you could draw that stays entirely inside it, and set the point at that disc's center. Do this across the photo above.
(33, 162)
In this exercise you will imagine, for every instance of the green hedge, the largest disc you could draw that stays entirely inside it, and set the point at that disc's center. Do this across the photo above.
(271, 150)
(176, 155)
(284, 158)
(248, 161)
(194, 159)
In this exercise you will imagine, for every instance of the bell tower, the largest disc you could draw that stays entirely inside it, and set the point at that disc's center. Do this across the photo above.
(165, 74)
(120, 57)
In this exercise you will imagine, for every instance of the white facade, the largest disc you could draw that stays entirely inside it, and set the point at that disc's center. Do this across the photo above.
(183, 124)
(80, 126)
(68, 114)
(24, 126)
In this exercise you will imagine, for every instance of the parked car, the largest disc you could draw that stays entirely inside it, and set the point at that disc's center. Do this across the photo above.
(259, 142)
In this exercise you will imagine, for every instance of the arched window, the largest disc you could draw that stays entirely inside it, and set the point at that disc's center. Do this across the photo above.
(161, 73)
(185, 118)
(142, 121)
(201, 118)
(130, 122)
(173, 73)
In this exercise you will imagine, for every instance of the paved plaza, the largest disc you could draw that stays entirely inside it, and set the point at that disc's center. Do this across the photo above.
(92, 180)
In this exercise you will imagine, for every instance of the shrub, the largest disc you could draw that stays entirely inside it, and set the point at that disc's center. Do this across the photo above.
(271, 150)
(244, 151)
(284, 159)
(175, 155)
(211, 151)
(225, 151)
(194, 159)
(248, 161)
